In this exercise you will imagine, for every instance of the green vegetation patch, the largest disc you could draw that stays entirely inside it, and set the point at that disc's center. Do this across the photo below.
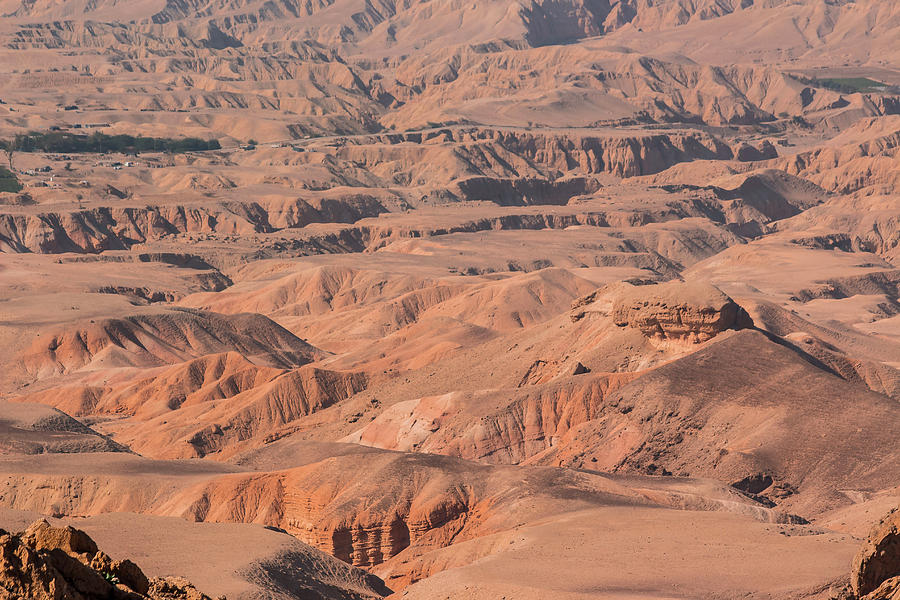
(9, 182)
(851, 85)
(62, 142)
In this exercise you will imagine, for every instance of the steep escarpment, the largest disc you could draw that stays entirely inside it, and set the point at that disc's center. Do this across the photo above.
(624, 154)
(106, 229)
(114, 228)
(504, 167)
(349, 519)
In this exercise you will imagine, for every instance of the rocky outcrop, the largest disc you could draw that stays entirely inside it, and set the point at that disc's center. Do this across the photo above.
(53, 563)
(677, 311)
(889, 590)
(876, 568)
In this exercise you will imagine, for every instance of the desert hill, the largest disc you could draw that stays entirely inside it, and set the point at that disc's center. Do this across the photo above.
(38, 428)
(553, 299)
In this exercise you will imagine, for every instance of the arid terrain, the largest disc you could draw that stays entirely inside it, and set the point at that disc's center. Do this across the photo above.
(444, 299)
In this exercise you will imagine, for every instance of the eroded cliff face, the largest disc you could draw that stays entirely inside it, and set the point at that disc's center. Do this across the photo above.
(368, 516)
(100, 229)
(367, 507)
(505, 167)
(503, 152)
(347, 516)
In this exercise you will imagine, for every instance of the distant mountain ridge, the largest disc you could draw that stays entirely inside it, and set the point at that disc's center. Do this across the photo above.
(538, 23)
